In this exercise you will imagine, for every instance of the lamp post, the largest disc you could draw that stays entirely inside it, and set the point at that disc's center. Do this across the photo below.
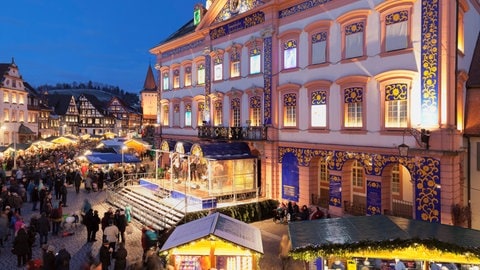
(123, 160)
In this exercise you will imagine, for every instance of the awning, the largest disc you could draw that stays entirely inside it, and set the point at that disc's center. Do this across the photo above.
(168, 145)
(222, 150)
(216, 225)
(107, 158)
(383, 237)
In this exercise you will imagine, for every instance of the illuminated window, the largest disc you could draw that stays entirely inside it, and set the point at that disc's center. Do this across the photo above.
(165, 115)
(396, 180)
(235, 62)
(255, 61)
(21, 116)
(200, 113)
(5, 96)
(290, 110)
(188, 114)
(201, 74)
(290, 54)
(6, 115)
(357, 175)
(166, 82)
(319, 47)
(21, 99)
(323, 171)
(318, 110)
(353, 100)
(176, 79)
(188, 76)
(218, 113)
(255, 111)
(396, 105)
(14, 97)
(235, 112)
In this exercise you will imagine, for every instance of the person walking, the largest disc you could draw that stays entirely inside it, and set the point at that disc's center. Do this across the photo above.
(77, 180)
(87, 221)
(21, 246)
(63, 194)
(121, 222)
(43, 228)
(95, 226)
(56, 217)
(111, 235)
(34, 198)
(121, 257)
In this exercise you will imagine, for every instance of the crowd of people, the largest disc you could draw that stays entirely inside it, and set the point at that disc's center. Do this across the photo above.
(41, 180)
(290, 211)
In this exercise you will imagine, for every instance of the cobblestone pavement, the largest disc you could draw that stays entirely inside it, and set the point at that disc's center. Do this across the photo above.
(80, 250)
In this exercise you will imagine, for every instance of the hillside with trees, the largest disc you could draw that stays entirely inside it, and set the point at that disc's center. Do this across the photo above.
(98, 89)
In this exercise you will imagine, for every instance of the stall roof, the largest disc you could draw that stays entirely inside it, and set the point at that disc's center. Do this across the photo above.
(220, 225)
(224, 150)
(168, 145)
(360, 235)
(107, 158)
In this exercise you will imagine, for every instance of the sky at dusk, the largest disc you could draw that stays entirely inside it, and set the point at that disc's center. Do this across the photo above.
(105, 41)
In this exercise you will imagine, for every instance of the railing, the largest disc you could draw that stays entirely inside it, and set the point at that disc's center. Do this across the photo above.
(354, 209)
(253, 133)
(402, 209)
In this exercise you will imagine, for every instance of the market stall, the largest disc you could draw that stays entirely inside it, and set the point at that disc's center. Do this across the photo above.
(383, 239)
(216, 241)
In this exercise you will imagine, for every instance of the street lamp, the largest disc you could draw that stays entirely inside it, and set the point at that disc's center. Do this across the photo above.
(123, 160)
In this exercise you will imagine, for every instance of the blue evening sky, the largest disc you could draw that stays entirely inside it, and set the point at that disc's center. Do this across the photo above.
(105, 41)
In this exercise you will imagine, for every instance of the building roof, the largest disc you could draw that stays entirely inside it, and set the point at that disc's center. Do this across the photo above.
(222, 150)
(149, 84)
(472, 99)
(59, 102)
(186, 29)
(219, 225)
(380, 233)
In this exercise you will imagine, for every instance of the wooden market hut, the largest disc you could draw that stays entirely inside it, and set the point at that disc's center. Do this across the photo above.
(215, 241)
(384, 238)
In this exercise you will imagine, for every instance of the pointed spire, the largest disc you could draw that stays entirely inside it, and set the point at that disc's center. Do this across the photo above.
(13, 62)
(150, 80)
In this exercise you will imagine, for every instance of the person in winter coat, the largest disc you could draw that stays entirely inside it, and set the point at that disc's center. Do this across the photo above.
(3, 227)
(43, 228)
(94, 226)
(77, 180)
(105, 255)
(56, 216)
(63, 194)
(87, 221)
(48, 258)
(121, 257)
(62, 259)
(110, 234)
(21, 246)
(34, 197)
(121, 222)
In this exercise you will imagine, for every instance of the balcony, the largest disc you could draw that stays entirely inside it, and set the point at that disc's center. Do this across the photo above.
(233, 133)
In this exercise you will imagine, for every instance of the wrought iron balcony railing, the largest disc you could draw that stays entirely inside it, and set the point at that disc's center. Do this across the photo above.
(253, 133)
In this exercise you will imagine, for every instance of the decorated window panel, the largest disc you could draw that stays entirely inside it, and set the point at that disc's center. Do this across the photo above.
(235, 107)
(165, 113)
(165, 81)
(235, 63)
(290, 54)
(396, 30)
(353, 102)
(218, 117)
(354, 39)
(319, 47)
(176, 114)
(188, 114)
(255, 111)
(255, 61)
(218, 69)
(200, 113)
(188, 76)
(396, 105)
(176, 78)
(290, 110)
(318, 116)
(201, 74)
